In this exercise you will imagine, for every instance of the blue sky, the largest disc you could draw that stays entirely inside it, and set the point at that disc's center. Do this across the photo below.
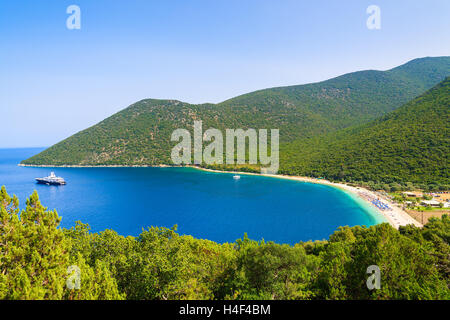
(55, 82)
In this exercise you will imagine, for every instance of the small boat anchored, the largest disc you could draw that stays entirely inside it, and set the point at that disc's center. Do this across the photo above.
(236, 177)
(51, 180)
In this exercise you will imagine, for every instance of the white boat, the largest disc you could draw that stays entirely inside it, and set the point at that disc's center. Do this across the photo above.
(52, 179)
(236, 177)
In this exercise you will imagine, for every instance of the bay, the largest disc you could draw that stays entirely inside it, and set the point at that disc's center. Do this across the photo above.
(207, 205)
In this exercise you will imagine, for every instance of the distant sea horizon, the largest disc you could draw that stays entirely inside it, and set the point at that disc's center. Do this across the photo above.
(206, 205)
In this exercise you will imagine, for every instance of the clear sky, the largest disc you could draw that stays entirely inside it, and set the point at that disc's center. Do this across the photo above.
(55, 82)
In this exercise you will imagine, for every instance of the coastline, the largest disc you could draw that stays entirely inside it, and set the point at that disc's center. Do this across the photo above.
(396, 217)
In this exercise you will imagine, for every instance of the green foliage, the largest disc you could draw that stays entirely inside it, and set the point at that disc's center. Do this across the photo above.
(317, 128)
(161, 264)
(407, 267)
(271, 271)
(34, 256)
(409, 146)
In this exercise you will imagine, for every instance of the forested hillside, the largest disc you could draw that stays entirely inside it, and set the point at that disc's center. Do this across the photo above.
(160, 264)
(410, 144)
(140, 134)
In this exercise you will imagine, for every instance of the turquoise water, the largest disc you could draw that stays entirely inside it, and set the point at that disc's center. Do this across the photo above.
(206, 205)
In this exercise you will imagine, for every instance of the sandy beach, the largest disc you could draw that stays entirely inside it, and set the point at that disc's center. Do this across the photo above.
(395, 216)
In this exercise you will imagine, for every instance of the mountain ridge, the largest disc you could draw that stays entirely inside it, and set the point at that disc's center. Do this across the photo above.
(140, 133)
(410, 145)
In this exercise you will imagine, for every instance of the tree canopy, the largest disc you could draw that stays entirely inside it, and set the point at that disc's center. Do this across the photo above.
(36, 256)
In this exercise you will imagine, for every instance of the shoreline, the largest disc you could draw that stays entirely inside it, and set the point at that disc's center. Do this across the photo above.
(396, 217)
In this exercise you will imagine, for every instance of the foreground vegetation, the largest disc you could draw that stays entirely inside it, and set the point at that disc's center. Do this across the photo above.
(160, 264)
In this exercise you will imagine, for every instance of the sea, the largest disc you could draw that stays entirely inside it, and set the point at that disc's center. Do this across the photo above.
(206, 205)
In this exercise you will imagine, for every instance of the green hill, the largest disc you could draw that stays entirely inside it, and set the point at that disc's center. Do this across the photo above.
(410, 144)
(140, 134)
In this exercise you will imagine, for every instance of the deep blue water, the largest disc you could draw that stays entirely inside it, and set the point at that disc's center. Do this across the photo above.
(203, 204)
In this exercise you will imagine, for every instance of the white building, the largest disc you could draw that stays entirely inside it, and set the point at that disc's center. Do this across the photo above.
(432, 203)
